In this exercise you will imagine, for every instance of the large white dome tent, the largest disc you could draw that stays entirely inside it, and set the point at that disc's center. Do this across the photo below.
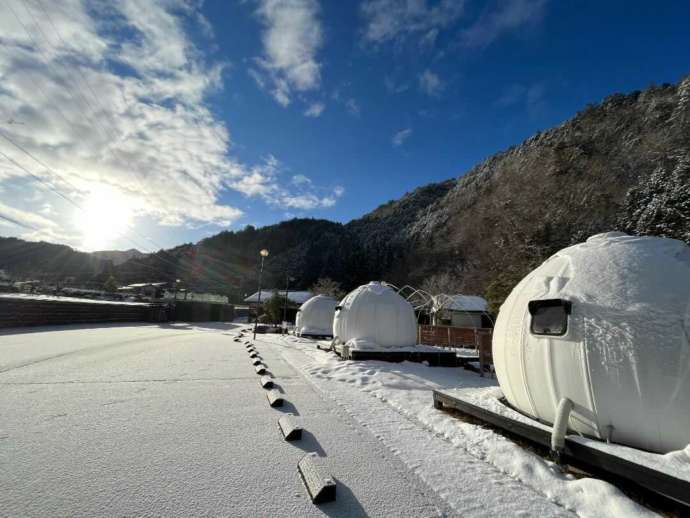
(604, 325)
(375, 315)
(315, 316)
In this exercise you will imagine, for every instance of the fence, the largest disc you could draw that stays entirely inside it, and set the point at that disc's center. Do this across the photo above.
(447, 336)
(460, 337)
(34, 312)
(193, 311)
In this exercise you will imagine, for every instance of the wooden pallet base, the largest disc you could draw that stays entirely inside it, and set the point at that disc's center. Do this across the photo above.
(576, 452)
(434, 359)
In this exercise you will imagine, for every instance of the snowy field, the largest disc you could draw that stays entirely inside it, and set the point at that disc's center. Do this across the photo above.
(170, 420)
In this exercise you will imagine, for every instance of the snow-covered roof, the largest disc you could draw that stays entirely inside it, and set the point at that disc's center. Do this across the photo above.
(461, 302)
(57, 298)
(144, 285)
(298, 297)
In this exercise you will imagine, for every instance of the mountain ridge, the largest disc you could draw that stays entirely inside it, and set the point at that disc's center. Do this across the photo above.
(621, 164)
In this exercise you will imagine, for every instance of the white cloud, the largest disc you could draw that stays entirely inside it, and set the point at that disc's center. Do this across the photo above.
(430, 83)
(315, 110)
(301, 194)
(510, 15)
(114, 94)
(395, 20)
(401, 136)
(291, 38)
(300, 179)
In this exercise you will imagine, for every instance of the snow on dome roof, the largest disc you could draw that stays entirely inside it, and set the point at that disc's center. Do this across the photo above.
(375, 314)
(315, 316)
(606, 324)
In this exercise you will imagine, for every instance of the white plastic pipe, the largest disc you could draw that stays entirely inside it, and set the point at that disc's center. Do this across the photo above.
(560, 425)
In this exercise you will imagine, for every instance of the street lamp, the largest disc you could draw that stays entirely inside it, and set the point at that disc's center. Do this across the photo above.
(174, 302)
(263, 253)
(287, 285)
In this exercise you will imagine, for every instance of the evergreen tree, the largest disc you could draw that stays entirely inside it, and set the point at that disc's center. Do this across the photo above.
(110, 285)
(660, 205)
(273, 308)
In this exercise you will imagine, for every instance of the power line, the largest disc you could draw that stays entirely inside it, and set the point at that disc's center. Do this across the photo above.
(18, 223)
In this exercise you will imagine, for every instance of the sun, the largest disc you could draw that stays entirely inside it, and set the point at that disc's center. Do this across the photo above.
(106, 216)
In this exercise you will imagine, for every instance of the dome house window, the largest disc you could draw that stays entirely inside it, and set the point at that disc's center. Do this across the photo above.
(549, 317)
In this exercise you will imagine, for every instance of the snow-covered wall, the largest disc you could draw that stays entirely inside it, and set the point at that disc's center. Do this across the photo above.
(617, 345)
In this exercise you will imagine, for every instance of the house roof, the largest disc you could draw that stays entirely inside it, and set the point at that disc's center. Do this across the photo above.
(460, 302)
(143, 285)
(298, 297)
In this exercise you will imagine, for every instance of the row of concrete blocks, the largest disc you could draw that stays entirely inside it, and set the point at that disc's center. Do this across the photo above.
(320, 486)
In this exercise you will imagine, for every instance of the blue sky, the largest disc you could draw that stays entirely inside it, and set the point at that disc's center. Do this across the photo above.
(195, 117)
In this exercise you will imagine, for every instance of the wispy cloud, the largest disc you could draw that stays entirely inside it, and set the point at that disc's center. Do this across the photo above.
(300, 194)
(300, 179)
(401, 136)
(430, 83)
(291, 37)
(508, 15)
(394, 86)
(353, 107)
(395, 20)
(315, 109)
(532, 98)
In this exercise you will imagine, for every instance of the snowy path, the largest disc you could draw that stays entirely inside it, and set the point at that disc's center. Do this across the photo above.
(146, 420)
(143, 420)
(476, 471)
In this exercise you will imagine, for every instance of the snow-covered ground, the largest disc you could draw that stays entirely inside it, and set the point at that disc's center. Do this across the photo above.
(170, 420)
(471, 467)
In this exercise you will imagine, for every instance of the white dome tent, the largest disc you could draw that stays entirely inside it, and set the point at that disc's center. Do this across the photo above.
(602, 327)
(374, 315)
(315, 317)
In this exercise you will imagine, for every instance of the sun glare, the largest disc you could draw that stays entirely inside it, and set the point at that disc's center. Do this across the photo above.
(106, 216)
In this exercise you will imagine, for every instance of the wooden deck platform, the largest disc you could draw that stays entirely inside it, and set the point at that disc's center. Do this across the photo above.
(642, 469)
(435, 358)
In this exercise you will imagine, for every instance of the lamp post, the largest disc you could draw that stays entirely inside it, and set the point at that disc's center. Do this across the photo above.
(287, 285)
(263, 253)
(174, 303)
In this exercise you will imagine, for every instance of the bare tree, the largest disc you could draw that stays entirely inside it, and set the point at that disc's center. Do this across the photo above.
(329, 287)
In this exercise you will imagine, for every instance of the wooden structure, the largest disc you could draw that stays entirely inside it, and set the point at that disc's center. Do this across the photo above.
(595, 456)
(478, 339)
(448, 336)
(435, 357)
(16, 311)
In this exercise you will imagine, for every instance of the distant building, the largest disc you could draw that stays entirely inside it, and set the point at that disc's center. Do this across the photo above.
(468, 311)
(297, 297)
(196, 297)
(151, 290)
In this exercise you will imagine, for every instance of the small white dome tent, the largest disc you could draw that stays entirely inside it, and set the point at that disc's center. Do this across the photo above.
(315, 316)
(374, 315)
(604, 324)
